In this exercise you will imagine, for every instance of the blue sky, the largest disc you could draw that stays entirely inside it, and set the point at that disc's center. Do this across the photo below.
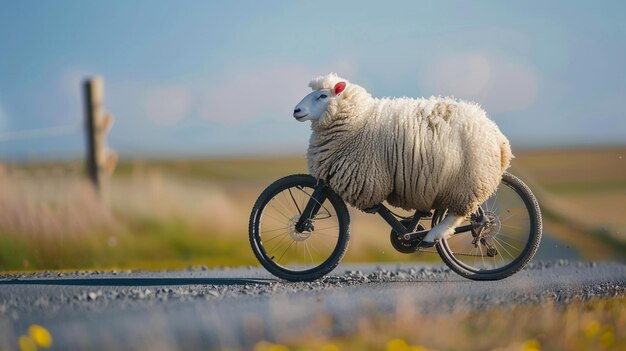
(213, 78)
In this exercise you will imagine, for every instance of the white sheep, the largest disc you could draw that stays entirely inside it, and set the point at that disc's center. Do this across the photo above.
(415, 153)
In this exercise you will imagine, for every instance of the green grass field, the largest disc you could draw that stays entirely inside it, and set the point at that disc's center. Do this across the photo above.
(175, 213)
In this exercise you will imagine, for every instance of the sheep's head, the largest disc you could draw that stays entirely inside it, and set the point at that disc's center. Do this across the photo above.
(314, 106)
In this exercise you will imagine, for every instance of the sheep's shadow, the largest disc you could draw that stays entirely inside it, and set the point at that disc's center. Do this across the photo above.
(139, 281)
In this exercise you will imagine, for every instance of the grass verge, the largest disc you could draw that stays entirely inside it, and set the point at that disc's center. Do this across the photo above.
(174, 213)
(591, 325)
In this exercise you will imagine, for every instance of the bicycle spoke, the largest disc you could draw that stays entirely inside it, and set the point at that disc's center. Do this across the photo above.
(286, 204)
(504, 219)
(274, 218)
(285, 207)
(501, 235)
(504, 248)
(274, 237)
(500, 253)
(282, 214)
(482, 256)
(281, 256)
(506, 242)
(273, 230)
(511, 226)
(294, 202)
(306, 247)
(280, 243)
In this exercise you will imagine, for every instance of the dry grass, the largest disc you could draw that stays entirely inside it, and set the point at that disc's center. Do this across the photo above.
(609, 210)
(166, 214)
(591, 325)
(583, 194)
(59, 222)
(575, 169)
(47, 217)
(160, 215)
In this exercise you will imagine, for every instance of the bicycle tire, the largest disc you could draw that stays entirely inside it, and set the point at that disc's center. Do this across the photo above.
(450, 258)
(256, 239)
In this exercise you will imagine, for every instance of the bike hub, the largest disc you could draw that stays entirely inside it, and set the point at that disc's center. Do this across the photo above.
(492, 225)
(299, 231)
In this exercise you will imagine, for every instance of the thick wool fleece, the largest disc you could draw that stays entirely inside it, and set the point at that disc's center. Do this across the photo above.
(414, 153)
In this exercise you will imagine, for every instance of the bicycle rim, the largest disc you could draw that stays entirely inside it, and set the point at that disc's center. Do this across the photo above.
(508, 244)
(299, 255)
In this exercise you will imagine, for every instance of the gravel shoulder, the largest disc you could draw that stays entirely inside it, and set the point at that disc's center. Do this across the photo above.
(213, 308)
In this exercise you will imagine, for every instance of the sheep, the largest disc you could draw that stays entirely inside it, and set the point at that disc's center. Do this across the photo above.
(418, 154)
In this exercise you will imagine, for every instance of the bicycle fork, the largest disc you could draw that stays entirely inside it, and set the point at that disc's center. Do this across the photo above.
(305, 223)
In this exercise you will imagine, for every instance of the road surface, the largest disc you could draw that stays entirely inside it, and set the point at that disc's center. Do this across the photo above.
(203, 308)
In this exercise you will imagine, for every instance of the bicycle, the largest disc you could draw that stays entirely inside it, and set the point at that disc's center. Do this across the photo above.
(299, 230)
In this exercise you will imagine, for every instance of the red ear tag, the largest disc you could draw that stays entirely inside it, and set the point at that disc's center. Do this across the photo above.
(339, 87)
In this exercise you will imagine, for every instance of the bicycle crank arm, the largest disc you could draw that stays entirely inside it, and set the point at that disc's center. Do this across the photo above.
(420, 234)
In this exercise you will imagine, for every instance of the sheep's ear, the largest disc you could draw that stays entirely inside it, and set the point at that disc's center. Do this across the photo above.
(339, 87)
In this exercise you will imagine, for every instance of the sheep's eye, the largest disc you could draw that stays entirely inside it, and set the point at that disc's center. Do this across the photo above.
(323, 96)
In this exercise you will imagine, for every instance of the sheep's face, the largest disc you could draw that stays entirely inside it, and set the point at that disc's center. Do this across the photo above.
(314, 105)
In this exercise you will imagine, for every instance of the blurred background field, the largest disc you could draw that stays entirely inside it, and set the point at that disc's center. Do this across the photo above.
(181, 212)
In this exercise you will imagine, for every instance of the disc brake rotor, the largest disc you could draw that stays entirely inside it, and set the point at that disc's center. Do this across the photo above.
(295, 235)
(489, 227)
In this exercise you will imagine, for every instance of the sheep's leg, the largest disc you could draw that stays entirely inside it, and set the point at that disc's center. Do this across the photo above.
(444, 229)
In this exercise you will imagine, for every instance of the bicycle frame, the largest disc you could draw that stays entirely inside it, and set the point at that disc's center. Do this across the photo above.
(321, 192)
(481, 253)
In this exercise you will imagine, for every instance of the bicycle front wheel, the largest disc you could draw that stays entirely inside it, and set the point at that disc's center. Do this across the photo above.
(503, 247)
(283, 250)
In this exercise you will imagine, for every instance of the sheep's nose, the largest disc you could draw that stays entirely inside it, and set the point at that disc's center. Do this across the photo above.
(297, 110)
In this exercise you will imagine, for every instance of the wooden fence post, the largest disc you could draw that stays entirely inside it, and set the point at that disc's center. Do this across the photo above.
(100, 160)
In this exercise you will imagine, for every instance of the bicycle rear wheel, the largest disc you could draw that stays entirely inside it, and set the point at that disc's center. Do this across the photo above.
(506, 244)
(283, 250)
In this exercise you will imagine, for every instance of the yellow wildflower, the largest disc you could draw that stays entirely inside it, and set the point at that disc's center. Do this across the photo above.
(26, 344)
(591, 329)
(397, 345)
(607, 338)
(531, 345)
(40, 335)
(330, 347)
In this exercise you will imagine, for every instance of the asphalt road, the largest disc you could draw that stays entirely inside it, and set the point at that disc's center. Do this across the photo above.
(202, 308)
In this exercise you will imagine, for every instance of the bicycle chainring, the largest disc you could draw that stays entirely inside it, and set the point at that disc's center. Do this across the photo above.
(402, 245)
